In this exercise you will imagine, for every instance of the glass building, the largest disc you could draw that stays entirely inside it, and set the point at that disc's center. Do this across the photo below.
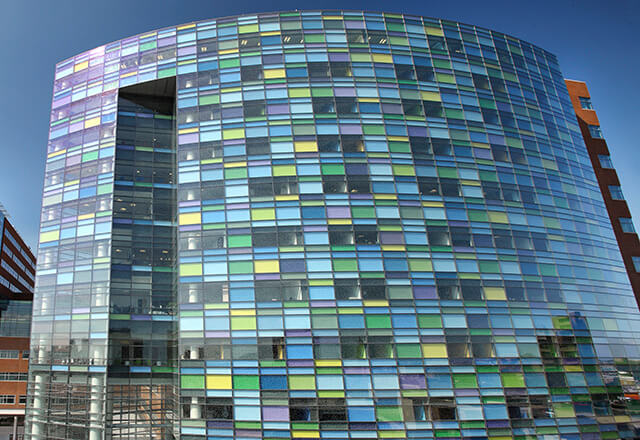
(325, 225)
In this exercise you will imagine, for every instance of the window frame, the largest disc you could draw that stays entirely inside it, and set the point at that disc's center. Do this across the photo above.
(626, 224)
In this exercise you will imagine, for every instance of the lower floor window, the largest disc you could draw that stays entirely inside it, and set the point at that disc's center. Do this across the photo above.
(7, 399)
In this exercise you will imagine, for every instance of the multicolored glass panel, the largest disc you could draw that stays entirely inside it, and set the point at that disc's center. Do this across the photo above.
(387, 227)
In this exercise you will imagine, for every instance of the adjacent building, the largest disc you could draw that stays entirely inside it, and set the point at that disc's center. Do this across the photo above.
(325, 224)
(17, 274)
(608, 181)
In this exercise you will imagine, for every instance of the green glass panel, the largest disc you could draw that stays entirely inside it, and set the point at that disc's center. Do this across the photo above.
(429, 321)
(324, 321)
(513, 380)
(231, 62)
(409, 350)
(235, 173)
(489, 266)
(363, 212)
(192, 381)
(465, 381)
(388, 414)
(236, 267)
(333, 169)
(209, 99)
(239, 240)
(378, 321)
(345, 265)
(246, 382)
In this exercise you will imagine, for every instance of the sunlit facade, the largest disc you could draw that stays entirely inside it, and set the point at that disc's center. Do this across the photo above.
(325, 225)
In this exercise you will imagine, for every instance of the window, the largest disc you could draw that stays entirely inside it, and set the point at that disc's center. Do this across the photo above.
(332, 410)
(22, 400)
(636, 263)
(9, 354)
(12, 377)
(219, 409)
(605, 161)
(585, 103)
(627, 225)
(595, 131)
(616, 192)
(7, 399)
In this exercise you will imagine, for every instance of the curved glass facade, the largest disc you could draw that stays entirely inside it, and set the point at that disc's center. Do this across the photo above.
(325, 225)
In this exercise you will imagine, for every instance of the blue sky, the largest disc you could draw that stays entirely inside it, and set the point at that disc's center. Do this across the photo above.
(595, 41)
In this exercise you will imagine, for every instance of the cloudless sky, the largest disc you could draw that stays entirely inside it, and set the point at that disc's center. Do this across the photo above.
(596, 41)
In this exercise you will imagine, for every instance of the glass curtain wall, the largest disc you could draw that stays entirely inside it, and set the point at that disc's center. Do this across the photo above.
(141, 392)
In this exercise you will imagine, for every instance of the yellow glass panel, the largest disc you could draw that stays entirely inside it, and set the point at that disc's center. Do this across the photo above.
(263, 214)
(339, 221)
(274, 73)
(430, 96)
(306, 146)
(190, 269)
(247, 28)
(306, 434)
(328, 363)
(404, 170)
(191, 218)
(495, 293)
(382, 58)
(498, 217)
(234, 133)
(266, 266)
(92, 122)
(299, 382)
(243, 323)
(393, 247)
(57, 153)
(49, 236)
(243, 312)
(222, 382)
(284, 170)
(81, 66)
(376, 303)
(434, 351)
(299, 93)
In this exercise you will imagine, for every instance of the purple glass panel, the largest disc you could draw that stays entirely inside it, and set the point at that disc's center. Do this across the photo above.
(275, 413)
(344, 91)
(278, 109)
(424, 292)
(391, 238)
(417, 131)
(338, 212)
(357, 168)
(339, 57)
(413, 382)
(350, 129)
(188, 138)
(292, 266)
